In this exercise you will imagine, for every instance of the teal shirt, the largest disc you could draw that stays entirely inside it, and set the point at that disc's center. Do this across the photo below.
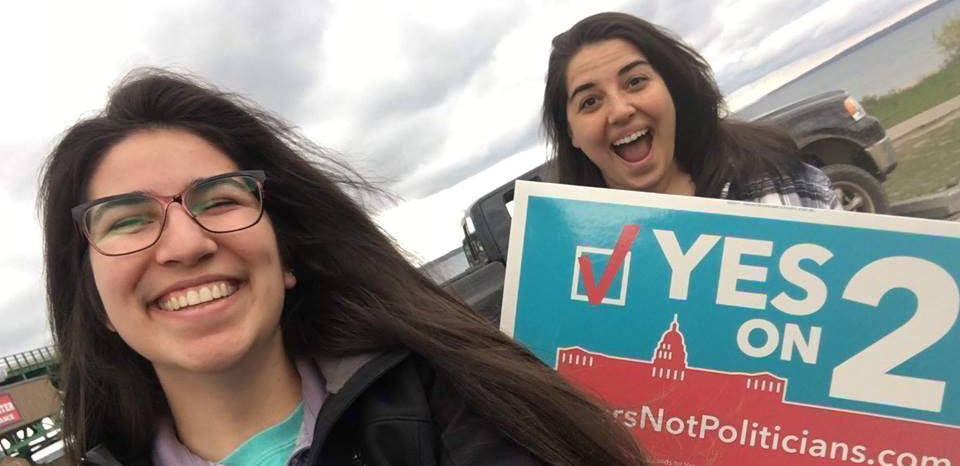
(271, 446)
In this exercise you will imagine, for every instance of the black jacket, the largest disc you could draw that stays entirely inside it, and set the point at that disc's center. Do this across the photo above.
(395, 411)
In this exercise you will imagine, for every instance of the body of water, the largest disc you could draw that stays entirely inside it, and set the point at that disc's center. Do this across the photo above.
(893, 59)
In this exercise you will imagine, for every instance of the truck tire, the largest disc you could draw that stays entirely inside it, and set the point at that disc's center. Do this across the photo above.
(857, 190)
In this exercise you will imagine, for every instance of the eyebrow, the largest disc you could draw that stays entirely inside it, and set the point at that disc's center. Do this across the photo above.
(624, 70)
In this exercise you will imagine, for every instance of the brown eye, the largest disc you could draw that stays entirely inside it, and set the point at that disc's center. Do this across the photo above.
(588, 103)
(636, 81)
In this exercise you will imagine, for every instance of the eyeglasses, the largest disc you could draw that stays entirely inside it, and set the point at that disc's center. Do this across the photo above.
(129, 223)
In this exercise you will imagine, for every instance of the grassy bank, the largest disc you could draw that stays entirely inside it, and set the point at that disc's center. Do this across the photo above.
(898, 106)
(928, 163)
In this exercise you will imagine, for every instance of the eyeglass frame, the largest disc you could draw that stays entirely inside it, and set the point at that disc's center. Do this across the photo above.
(80, 210)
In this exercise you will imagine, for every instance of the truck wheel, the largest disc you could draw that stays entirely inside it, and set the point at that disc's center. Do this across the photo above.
(857, 190)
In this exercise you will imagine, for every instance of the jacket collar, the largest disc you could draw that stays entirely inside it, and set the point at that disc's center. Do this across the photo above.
(337, 371)
(342, 395)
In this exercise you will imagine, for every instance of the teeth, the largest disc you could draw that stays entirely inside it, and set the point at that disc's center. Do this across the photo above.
(193, 298)
(199, 295)
(631, 138)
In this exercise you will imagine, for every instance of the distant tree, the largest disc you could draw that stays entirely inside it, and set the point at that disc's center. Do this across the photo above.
(949, 38)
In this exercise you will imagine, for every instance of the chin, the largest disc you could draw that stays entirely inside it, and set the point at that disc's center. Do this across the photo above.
(209, 363)
(210, 357)
(634, 184)
(648, 181)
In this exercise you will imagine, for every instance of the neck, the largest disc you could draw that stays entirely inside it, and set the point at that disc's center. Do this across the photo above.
(216, 412)
(677, 181)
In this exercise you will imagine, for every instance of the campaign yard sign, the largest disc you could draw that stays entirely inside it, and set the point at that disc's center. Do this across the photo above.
(725, 333)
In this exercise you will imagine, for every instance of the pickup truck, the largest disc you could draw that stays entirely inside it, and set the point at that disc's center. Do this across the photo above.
(832, 130)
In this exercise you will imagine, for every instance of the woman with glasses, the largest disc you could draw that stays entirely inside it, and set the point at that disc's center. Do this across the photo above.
(628, 106)
(217, 298)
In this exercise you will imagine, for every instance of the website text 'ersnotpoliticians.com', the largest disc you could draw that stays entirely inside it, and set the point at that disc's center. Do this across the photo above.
(755, 435)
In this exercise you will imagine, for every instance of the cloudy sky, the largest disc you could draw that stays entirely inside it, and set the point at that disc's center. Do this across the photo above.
(436, 100)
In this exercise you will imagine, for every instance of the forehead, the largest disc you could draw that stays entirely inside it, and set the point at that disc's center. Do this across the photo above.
(599, 61)
(160, 161)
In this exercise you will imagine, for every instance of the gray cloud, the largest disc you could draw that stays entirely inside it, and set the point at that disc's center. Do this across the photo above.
(409, 116)
(399, 148)
(442, 62)
(267, 51)
(273, 56)
(403, 123)
(523, 137)
(24, 322)
(21, 167)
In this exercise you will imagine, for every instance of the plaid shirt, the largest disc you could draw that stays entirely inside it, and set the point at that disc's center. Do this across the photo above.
(811, 188)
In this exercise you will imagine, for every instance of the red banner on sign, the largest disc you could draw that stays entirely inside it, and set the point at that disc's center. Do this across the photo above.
(8, 412)
(685, 416)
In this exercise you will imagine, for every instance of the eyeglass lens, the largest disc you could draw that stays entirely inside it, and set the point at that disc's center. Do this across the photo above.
(135, 222)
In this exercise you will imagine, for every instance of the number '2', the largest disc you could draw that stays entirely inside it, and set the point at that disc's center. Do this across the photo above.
(865, 376)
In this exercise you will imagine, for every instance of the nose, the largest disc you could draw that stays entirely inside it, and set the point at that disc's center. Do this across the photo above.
(621, 109)
(182, 240)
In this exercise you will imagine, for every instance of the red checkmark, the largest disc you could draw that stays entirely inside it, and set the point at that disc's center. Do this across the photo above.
(596, 292)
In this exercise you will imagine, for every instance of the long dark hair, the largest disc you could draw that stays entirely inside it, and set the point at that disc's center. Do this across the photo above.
(713, 150)
(362, 295)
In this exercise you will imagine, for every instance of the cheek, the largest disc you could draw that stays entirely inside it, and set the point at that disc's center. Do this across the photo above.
(668, 110)
(260, 249)
(584, 133)
(116, 281)
(263, 243)
(671, 117)
(259, 252)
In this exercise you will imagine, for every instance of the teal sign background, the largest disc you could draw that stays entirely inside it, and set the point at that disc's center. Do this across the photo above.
(549, 319)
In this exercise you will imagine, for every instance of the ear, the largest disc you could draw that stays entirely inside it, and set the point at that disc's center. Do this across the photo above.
(289, 279)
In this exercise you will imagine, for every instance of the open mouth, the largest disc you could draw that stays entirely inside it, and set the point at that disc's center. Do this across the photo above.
(634, 147)
(195, 296)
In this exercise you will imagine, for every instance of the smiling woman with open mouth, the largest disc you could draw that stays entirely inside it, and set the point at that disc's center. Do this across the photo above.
(628, 106)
